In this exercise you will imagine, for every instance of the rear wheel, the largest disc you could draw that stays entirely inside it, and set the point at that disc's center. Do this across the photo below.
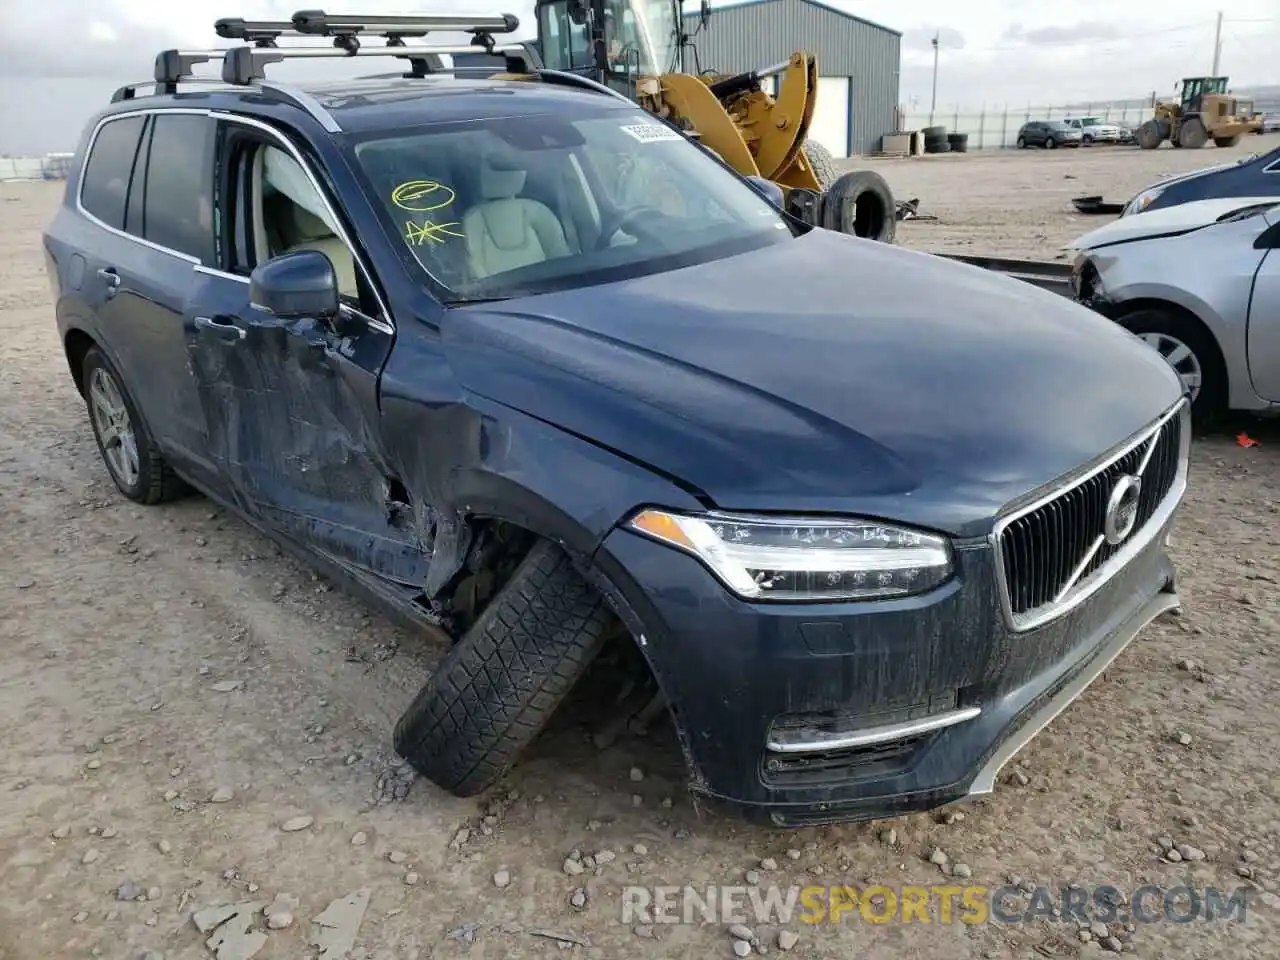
(127, 448)
(1022, 143)
(822, 162)
(1192, 353)
(499, 685)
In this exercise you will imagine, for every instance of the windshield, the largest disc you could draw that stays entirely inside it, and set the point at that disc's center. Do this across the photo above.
(510, 206)
(640, 37)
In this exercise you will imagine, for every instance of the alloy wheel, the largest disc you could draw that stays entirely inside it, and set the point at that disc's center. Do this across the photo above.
(1181, 357)
(114, 426)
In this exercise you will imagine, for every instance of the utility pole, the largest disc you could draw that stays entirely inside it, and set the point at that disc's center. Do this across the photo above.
(1217, 45)
(933, 102)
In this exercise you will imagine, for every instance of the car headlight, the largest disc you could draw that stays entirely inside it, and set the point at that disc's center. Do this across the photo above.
(1141, 201)
(798, 558)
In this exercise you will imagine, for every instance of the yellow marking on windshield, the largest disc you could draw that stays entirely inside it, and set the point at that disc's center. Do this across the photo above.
(422, 196)
(417, 234)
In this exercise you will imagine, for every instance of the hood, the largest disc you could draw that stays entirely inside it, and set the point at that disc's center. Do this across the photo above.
(825, 373)
(1165, 221)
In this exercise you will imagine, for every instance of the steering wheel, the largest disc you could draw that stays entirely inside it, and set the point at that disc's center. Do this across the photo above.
(622, 218)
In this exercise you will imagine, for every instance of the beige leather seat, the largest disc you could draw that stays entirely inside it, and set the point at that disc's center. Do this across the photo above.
(309, 232)
(504, 232)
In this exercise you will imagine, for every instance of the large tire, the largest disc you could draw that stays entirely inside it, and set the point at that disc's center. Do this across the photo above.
(1226, 141)
(959, 142)
(934, 133)
(499, 685)
(861, 203)
(823, 163)
(937, 146)
(126, 446)
(1149, 135)
(1192, 135)
(1169, 333)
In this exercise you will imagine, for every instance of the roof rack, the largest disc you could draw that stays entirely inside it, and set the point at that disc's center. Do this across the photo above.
(246, 65)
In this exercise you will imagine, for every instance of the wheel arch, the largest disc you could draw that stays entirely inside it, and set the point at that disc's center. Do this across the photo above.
(76, 344)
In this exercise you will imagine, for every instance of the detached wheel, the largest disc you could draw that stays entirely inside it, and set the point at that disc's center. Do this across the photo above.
(498, 687)
(861, 203)
(1192, 352)
(130, 454)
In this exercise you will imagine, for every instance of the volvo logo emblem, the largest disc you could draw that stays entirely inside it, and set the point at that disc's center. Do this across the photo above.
(1122, 510)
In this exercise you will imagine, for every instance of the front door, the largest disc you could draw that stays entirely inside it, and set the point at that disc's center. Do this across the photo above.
(291, 406)
(1264, 328)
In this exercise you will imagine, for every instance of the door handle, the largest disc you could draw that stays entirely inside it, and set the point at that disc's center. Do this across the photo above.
(224, 328)
(112, 279)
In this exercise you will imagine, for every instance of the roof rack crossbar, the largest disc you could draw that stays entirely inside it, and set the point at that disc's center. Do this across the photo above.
(243, 65)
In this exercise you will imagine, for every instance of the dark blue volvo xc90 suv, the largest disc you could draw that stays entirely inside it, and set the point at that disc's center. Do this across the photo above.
(521, 363)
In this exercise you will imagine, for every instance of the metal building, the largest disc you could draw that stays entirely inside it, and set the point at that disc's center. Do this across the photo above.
(858, 62)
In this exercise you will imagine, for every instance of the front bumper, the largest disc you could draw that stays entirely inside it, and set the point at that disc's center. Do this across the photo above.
(943, 672)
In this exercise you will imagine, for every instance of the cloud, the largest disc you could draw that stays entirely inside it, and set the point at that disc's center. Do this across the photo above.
(1055, 35)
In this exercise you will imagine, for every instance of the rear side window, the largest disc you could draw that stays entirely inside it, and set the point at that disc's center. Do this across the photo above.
(104, 186)
(178, 209)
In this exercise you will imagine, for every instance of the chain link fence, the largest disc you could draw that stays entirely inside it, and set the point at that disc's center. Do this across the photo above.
(52, 166)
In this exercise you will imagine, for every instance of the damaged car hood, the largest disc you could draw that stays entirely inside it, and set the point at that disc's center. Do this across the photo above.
(1166, 221)
(827, 374)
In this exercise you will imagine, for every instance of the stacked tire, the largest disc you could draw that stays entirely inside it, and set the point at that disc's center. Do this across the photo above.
(959, 142)
(935, 140)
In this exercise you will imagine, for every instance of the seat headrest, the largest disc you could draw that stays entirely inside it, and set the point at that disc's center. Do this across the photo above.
(499, 180)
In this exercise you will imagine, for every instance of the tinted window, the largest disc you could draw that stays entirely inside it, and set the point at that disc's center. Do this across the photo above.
(179, 202)
(104, 190)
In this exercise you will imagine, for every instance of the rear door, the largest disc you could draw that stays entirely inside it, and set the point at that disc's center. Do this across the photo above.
(291, 405)
(139, 181)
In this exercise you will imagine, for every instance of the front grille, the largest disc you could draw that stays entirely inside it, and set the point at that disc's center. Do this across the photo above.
(1056, 551)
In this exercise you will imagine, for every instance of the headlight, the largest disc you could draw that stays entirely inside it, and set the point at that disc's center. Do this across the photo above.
(1141, 201)
(795, 558)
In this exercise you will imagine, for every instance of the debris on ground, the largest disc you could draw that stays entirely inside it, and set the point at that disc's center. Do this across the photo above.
(571, 938)
(335, 929)
(910, 210)
(229, 926)
(1095, 206)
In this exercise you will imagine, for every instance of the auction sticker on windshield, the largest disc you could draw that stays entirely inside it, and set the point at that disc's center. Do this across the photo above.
(650, 132)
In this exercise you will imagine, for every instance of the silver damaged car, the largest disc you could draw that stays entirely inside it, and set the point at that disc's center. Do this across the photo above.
(1206, 295)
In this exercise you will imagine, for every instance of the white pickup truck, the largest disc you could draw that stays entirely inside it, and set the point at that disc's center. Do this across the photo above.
(1098, 130)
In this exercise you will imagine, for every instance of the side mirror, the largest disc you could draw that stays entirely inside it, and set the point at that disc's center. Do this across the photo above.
(767, 189)
(577, 11)
(705, 13)
(299, 284)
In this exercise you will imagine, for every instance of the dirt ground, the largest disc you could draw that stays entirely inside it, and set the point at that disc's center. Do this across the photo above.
(152, 658)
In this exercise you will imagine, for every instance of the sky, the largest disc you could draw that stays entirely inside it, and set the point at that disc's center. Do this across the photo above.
(60, 59)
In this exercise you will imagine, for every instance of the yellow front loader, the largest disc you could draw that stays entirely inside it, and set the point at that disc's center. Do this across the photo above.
(1205, 111)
